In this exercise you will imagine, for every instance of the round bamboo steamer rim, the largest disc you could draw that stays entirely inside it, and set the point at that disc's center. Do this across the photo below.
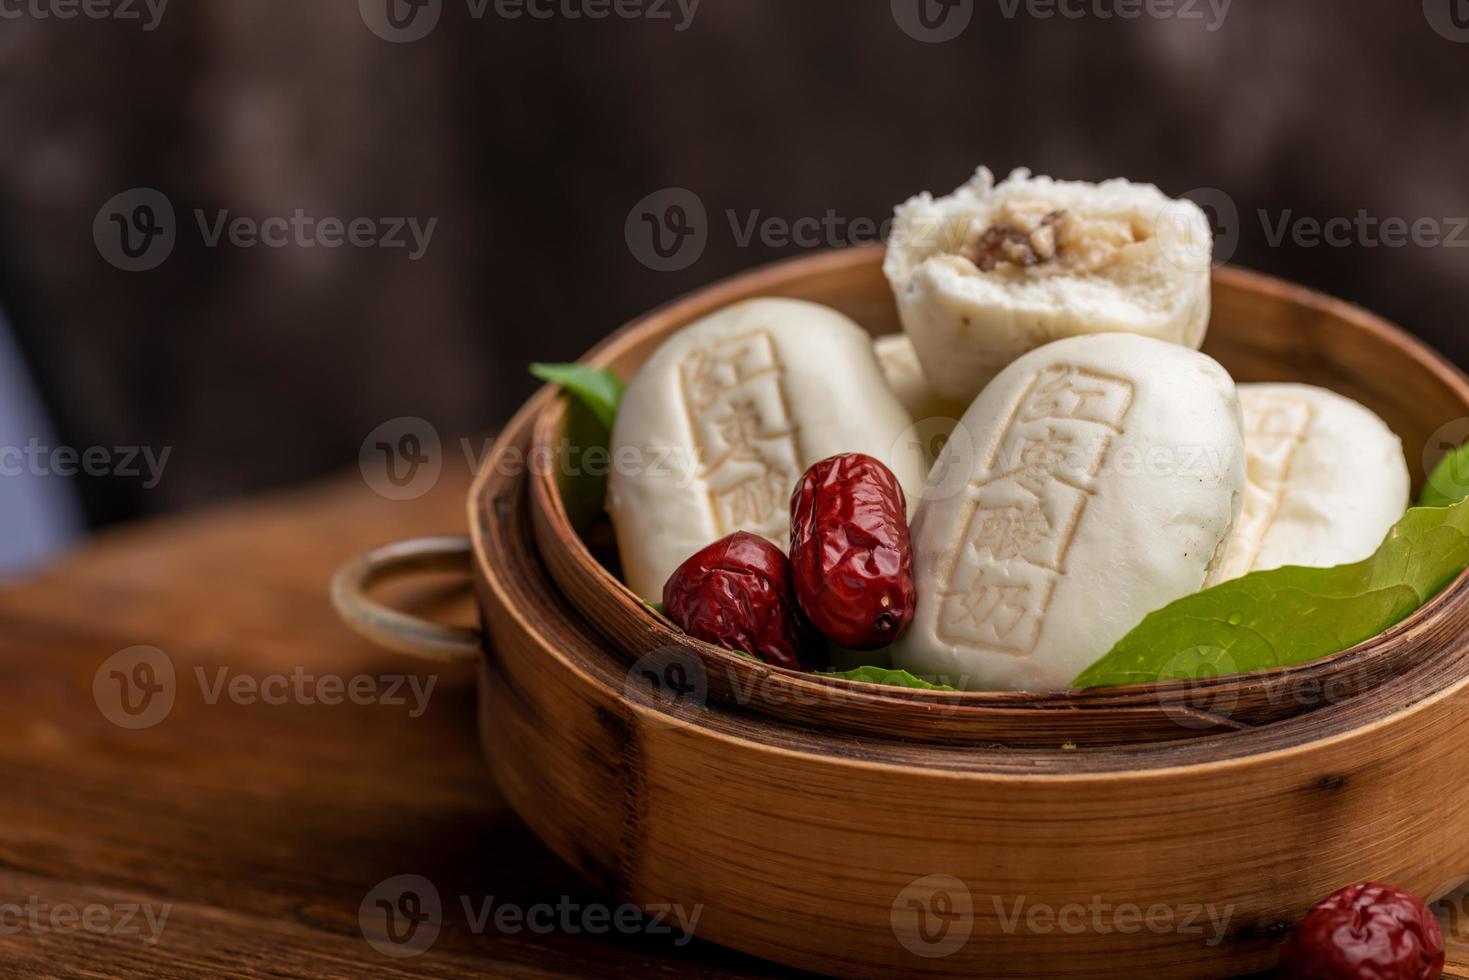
(802, 846)
(1262, 330)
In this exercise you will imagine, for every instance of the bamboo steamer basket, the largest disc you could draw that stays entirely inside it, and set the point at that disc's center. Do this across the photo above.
(1159, 831)
(1262, 330)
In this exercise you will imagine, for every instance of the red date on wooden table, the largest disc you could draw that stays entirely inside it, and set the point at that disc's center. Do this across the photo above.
(851, 558)
(736, 593)
(1365, 932)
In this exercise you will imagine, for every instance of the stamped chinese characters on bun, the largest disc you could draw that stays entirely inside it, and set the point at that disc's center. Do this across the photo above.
(721, 422)
(995, 270)
(1326, 480)
(1095, 480)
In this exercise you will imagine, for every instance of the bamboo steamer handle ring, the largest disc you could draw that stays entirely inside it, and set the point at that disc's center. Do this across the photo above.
(399, 631)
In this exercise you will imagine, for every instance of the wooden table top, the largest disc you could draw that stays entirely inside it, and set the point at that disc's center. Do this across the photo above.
(246, 835)
(239, 830)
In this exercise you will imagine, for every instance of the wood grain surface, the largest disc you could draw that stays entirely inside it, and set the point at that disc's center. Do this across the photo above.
(815, 848)
(259, 829)
(247, 836)
(868, 841)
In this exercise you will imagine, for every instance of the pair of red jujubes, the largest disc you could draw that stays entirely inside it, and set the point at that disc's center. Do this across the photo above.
(849, 574)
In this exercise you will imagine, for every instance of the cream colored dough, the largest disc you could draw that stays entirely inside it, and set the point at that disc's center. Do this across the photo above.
(1326, 480)
(721, 422)
(995, 270)
(1095, 480)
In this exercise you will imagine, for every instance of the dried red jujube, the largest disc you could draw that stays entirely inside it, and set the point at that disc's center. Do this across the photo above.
(736, 593)
(1365, 932)
(851, 558)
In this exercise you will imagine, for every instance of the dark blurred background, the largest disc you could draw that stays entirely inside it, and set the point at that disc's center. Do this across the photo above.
(530, 131)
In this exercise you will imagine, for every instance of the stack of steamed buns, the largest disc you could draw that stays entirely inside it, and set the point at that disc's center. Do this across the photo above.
(1094, 466)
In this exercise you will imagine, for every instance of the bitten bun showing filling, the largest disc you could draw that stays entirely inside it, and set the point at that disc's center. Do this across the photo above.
(1095, 480)
(995, 270)
(1326, 480)
(718, 426)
